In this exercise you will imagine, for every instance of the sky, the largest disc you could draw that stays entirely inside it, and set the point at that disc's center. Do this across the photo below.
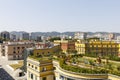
(60, 15)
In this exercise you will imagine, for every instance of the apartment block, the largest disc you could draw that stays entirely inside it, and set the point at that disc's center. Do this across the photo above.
(14, 50)
(66, 45)
(97, 47)
(80, 46)
(40, 69)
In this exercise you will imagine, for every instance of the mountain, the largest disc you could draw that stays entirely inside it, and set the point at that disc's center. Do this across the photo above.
(54, 33)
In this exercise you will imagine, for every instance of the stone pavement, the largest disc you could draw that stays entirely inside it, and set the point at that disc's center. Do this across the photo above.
(7, 70)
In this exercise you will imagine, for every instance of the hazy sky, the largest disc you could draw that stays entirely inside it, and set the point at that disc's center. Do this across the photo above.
(60, 15)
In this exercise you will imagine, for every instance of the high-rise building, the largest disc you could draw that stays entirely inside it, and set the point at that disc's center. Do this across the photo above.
(80, 35)
(34, 36)
(39, 39)
(13, 37)
(5, 35)
(25, 36)
(111, 36)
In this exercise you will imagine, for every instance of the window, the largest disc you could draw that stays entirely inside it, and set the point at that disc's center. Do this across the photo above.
(32, 66)
(54, 78)
(23, 47)
(14, 52)
(28, 64)
(14, 48)
(31, 76)
(35, 67)
(44, 78)
(43, 53)
(44, 69)
(37, 54)
(18, 56)
(18, 47)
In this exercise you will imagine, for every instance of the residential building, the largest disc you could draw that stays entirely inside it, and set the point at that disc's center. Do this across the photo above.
(25, 36)
(13, 37)
(111, 36)
(5, 35)
(46, 51)
(66, 45)
(14, 50)
(40, 69)
(43, 68)
(102, 48)
(43, 45)
(80, 35)
(40, 52)
(39, 39)
(98, 47)
(80, 46)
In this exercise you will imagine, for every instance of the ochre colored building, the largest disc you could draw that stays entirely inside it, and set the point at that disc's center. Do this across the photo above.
(46, 51)
(102, 47)
(80, 46)
(98, 47)
(40, 69)
(66, 45)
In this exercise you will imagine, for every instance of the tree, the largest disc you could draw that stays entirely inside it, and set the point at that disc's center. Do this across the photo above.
(72, 51)
(118, 68)
(54, 38)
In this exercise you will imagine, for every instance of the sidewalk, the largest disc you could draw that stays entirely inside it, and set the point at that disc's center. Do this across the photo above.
(5, 65)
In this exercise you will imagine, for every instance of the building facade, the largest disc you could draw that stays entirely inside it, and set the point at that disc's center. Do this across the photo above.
(102, 48)
(80, 35)
(98, 47)
(14, 50)
(5, 35)
(25, 36)
(40, 69)
(80, 46)
(46, 69)
(66, 45)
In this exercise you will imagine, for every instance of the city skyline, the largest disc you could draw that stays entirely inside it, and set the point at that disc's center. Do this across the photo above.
(60, 16)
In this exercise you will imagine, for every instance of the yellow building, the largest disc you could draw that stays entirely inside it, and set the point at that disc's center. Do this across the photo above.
(102, 47)
(46, 69)
(43, 68)
(39, 69)
(80, 47)
(119, 50)
(98, 47)
(46, 51)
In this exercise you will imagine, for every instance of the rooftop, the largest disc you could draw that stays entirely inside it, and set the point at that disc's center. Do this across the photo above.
(39, 58)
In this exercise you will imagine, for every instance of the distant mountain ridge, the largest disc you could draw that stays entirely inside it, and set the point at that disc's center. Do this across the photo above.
(54, 33)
